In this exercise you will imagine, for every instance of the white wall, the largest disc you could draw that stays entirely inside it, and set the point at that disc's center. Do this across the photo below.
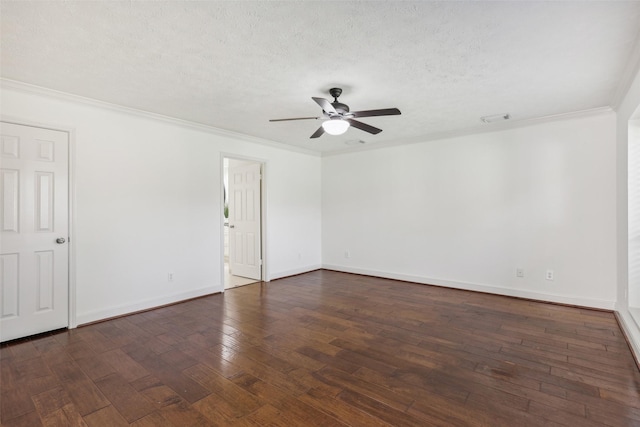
(467, 211)
(148, 202)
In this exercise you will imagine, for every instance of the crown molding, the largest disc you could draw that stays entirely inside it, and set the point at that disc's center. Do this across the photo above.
(487, 128)
(65, 96)
(490, 127)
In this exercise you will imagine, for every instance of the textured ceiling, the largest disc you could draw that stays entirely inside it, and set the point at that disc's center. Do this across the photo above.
(235, 65)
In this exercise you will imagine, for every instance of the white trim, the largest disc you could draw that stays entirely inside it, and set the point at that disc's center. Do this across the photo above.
(631, 327)
(263, 217)
(97, 315)
(222, 238)
(487, 128)
(635, 315)
(72, 230)
(64, 96)
(294, 272)
(71, 167)
(478, 287)
(510, 124)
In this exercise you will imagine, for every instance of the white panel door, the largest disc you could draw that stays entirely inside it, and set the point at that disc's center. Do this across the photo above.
(34, 253)
(244, 221)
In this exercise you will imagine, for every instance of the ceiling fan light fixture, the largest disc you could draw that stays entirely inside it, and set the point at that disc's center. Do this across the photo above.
(338, 117)
(335, 126)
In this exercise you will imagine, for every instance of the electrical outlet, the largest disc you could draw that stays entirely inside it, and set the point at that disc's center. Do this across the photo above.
(519, 272)
(170, 277)
(549, 275)
(347, 254)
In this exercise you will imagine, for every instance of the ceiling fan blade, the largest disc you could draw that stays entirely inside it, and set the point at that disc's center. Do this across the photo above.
(318, 133)
(296, 118)
(325, 105)
(363, 126)
(372, 113)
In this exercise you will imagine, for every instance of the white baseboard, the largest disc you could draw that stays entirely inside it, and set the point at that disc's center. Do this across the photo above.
(630, 324)
(498, 290)
(293, 272)
(94, 316)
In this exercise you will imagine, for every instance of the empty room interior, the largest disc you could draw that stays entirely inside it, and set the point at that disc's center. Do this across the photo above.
(299, 213)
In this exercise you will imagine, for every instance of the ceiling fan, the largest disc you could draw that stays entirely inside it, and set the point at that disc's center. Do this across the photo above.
(338, 118)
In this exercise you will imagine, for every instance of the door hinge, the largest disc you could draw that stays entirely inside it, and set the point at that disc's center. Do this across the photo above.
(260, 262)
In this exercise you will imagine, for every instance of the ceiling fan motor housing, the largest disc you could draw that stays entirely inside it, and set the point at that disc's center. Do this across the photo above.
(340, 107)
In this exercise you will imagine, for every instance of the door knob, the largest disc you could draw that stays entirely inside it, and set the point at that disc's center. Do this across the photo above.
(232, 226)
(60, 240)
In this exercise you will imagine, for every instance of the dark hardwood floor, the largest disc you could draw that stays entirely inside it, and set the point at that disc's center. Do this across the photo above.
(330, 349)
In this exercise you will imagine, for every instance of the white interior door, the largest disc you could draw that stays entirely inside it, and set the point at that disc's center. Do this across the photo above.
(244, 220)
(34, 253)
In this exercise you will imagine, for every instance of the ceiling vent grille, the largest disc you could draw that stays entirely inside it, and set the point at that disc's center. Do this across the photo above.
(496, 118)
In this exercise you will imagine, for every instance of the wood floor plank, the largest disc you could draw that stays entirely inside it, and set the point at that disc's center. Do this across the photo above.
(326, 359)
(329, 349)
(29, 419)
(185, 415)
(308, 415)
(351, 382)
(95, 366)
(265, 373)
(379, 409)
(271, 416)
(14, 403)
(340, 409)
(265, 392)
(124, 365)
(154, 419)
(63, 418)
(158, 393)
(129, 403)
(559, 416)
(232, 400)
(51, 401)
(83, 392)
(190, 390)
(107, 416)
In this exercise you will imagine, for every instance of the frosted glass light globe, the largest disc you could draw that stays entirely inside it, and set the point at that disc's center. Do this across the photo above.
(335, 127)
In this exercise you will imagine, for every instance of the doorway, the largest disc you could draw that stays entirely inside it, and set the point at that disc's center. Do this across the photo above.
(242, 204)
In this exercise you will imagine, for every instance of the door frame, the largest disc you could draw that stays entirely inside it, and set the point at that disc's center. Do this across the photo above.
(71, 188)
(632, 288)
(263, 212)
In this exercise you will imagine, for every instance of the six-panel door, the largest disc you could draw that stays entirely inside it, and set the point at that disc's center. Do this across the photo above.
(34, 250)
(245, 221)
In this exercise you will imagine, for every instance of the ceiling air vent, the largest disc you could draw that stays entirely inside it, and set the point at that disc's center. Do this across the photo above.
(495, 118)
(355, 142)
